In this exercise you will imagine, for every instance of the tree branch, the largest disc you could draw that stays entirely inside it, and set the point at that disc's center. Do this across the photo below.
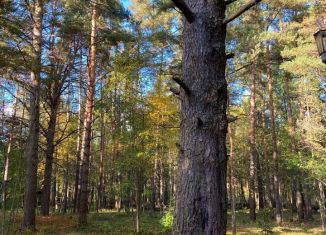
(230, 56)
(182, 6)
(174, 91)
(242, 9)
(182, 85)
(228, 2)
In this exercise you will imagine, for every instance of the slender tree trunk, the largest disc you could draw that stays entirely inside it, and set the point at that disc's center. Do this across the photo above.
(293, 147)
(201, 200)
(253, 151)
(45, 209)
(260, 184)
(102, 153)
(300, 203)
(87, 132)
(7, 157)
(278, 205)
(322, 205)
(31, 149)
(232, 181)
(79, 143)
(308, 213)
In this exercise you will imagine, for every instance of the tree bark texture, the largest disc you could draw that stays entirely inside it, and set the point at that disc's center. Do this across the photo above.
(31, 149)
(201, 200)
(87, 132)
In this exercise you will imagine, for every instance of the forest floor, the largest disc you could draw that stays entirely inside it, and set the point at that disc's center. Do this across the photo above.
(115, 223)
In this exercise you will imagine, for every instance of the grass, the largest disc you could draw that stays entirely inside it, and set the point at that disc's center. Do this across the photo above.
(115, 223)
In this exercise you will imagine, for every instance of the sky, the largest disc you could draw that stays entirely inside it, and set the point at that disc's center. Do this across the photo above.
(126, 3)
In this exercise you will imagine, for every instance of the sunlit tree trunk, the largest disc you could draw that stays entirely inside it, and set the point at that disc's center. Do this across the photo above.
(87, 132)
(31, 149)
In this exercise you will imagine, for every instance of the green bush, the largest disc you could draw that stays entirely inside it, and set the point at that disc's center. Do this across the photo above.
(167, 220)
(264, 222)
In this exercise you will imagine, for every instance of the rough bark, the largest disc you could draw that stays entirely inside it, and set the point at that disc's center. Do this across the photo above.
(87, 132)
(31, 149)
(253, 151)
(201, 201)
(278, 205)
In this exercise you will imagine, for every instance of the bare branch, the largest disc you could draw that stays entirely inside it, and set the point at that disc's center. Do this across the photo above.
(242, 9)
(174, 91)
(182, 6)
(232, 119)
(182, 85)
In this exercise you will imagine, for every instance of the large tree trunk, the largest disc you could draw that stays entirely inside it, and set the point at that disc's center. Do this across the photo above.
(201, 200)
(278, 205)
(253, 151)
(87, 132)
(31, 150)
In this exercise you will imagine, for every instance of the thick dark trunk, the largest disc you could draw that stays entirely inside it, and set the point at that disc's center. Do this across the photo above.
(253, 151)
(87, 132)
(278, 205)
(31, 149)
(201, 200)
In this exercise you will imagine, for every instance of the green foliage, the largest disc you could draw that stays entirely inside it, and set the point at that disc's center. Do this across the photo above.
(167, 220)
(264, 222)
